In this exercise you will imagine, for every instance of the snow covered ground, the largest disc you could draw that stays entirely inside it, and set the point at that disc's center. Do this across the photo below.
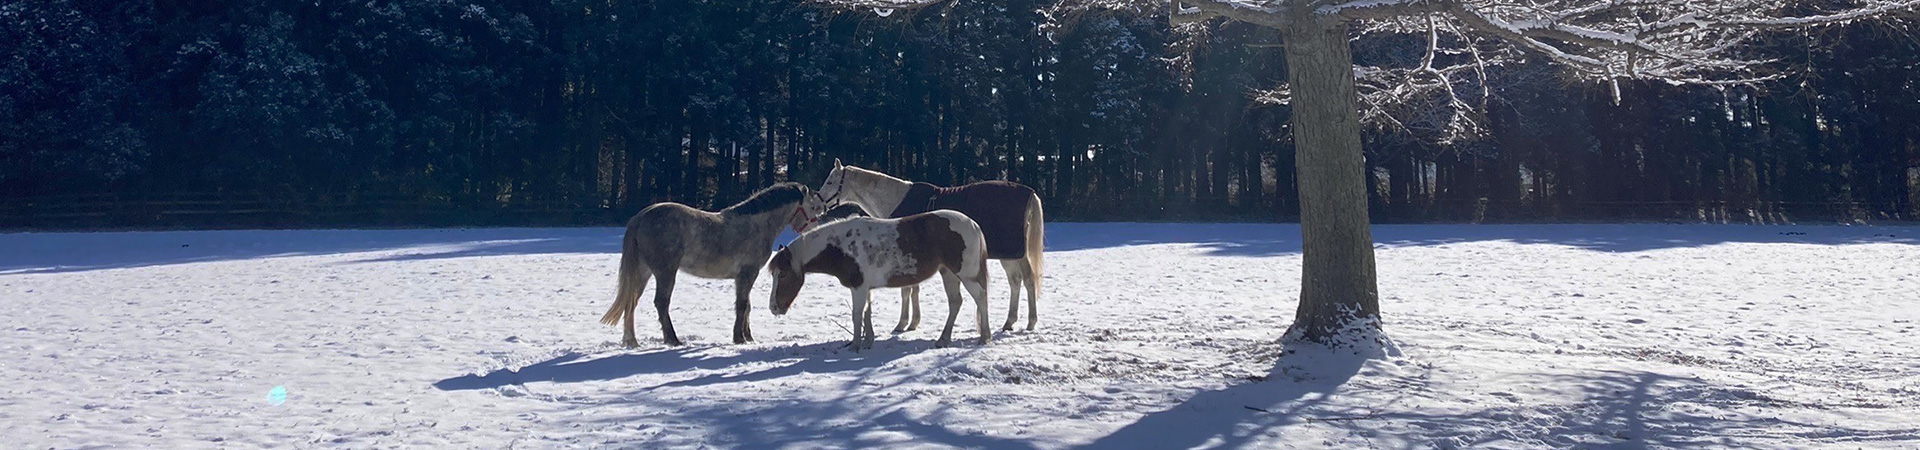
(1152, 336)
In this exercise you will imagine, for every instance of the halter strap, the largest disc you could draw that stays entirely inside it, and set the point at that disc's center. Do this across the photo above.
(802, 212)
(836, 194)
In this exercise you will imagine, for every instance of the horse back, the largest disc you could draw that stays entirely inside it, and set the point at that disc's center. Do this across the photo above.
(999, 207)
(944, 238)
(684, 238)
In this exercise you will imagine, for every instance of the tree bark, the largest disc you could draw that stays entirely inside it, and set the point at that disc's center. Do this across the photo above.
(1337, 288)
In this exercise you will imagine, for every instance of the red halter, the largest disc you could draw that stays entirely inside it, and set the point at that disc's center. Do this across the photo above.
(802, 212)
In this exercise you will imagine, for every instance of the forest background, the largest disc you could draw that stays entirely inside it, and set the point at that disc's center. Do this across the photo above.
(159, 113)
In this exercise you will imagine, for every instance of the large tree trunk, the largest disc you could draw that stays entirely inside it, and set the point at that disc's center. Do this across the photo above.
(1337, 288)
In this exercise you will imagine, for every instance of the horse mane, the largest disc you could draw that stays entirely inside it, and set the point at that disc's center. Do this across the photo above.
(769, 199)
(842, 211)
(876, 173)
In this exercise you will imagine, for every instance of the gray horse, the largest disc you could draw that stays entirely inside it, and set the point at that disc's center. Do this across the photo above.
(668, 238)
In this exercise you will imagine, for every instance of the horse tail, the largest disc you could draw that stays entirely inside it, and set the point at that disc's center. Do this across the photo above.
(633, 279)
(1036, 239)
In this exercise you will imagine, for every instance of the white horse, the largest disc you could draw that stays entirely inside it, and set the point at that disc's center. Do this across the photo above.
(1010, 216)
(866, 253)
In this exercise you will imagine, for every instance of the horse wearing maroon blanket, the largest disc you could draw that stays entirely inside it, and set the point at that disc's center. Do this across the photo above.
(1009, 215)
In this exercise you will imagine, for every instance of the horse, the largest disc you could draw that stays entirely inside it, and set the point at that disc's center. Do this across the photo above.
(866, 253)
(1008, 213)
(843, 211)
(668, 238)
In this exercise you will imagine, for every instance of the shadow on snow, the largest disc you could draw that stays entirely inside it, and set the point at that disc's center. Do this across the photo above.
(573, 367)
(78, 252)
(1614, 409)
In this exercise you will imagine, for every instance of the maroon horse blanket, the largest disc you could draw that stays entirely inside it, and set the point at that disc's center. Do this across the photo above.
(1000, 207)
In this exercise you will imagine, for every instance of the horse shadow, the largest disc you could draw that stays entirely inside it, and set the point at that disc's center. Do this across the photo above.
(575, 367)
(1605, 408)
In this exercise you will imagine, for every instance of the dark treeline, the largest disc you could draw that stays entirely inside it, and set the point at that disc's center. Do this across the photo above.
(597, 108)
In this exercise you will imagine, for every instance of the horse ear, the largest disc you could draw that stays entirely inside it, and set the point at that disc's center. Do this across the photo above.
(836, 162)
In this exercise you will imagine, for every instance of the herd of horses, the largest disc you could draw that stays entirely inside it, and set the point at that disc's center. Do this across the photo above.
(866, 229)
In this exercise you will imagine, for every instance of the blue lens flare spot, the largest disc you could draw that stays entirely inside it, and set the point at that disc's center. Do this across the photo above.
(277, 395)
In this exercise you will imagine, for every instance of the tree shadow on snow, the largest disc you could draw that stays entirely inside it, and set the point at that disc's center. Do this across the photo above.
(859, 418)
(80, 252)
(1637, 410)
(1614, 410)
(1232, 417)
(862, 411)
(1249, 239)
(1595, 409)
(575, 367)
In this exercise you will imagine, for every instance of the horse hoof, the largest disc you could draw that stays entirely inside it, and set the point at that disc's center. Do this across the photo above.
(629, 343)
(675, 343)
(899, 330)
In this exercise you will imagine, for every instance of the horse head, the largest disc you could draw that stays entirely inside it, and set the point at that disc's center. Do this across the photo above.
(807, 212)
(787, 280)
(835, 186)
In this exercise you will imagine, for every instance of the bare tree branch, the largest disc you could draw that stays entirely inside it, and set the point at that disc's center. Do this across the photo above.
(1271, 15)
(1441, 90)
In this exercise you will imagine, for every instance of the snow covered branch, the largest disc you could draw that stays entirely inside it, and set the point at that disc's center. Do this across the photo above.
(1674, 41)
(1267, 14)
(1678, 41)
(1446, 84)
(885, 4)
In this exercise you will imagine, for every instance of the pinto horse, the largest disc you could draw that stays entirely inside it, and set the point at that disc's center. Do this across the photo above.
(1008, 213)
(668, 238)
(866, 253)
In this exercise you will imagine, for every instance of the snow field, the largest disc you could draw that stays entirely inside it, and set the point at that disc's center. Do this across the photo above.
(1151, 336)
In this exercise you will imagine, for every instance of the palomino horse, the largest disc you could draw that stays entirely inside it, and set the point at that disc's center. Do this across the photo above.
(1009, 214)
(668, 238)
(866, 253)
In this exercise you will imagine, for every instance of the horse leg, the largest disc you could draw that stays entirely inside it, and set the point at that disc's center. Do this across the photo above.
(662, 296)
(640, 277)
(916, 309)
(742, 287)
(1031, 278)
(977, 287)
(952, 283)
(913, 300)
(860, 297)
(1015, 274)
(866, 323)
(906, 307)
